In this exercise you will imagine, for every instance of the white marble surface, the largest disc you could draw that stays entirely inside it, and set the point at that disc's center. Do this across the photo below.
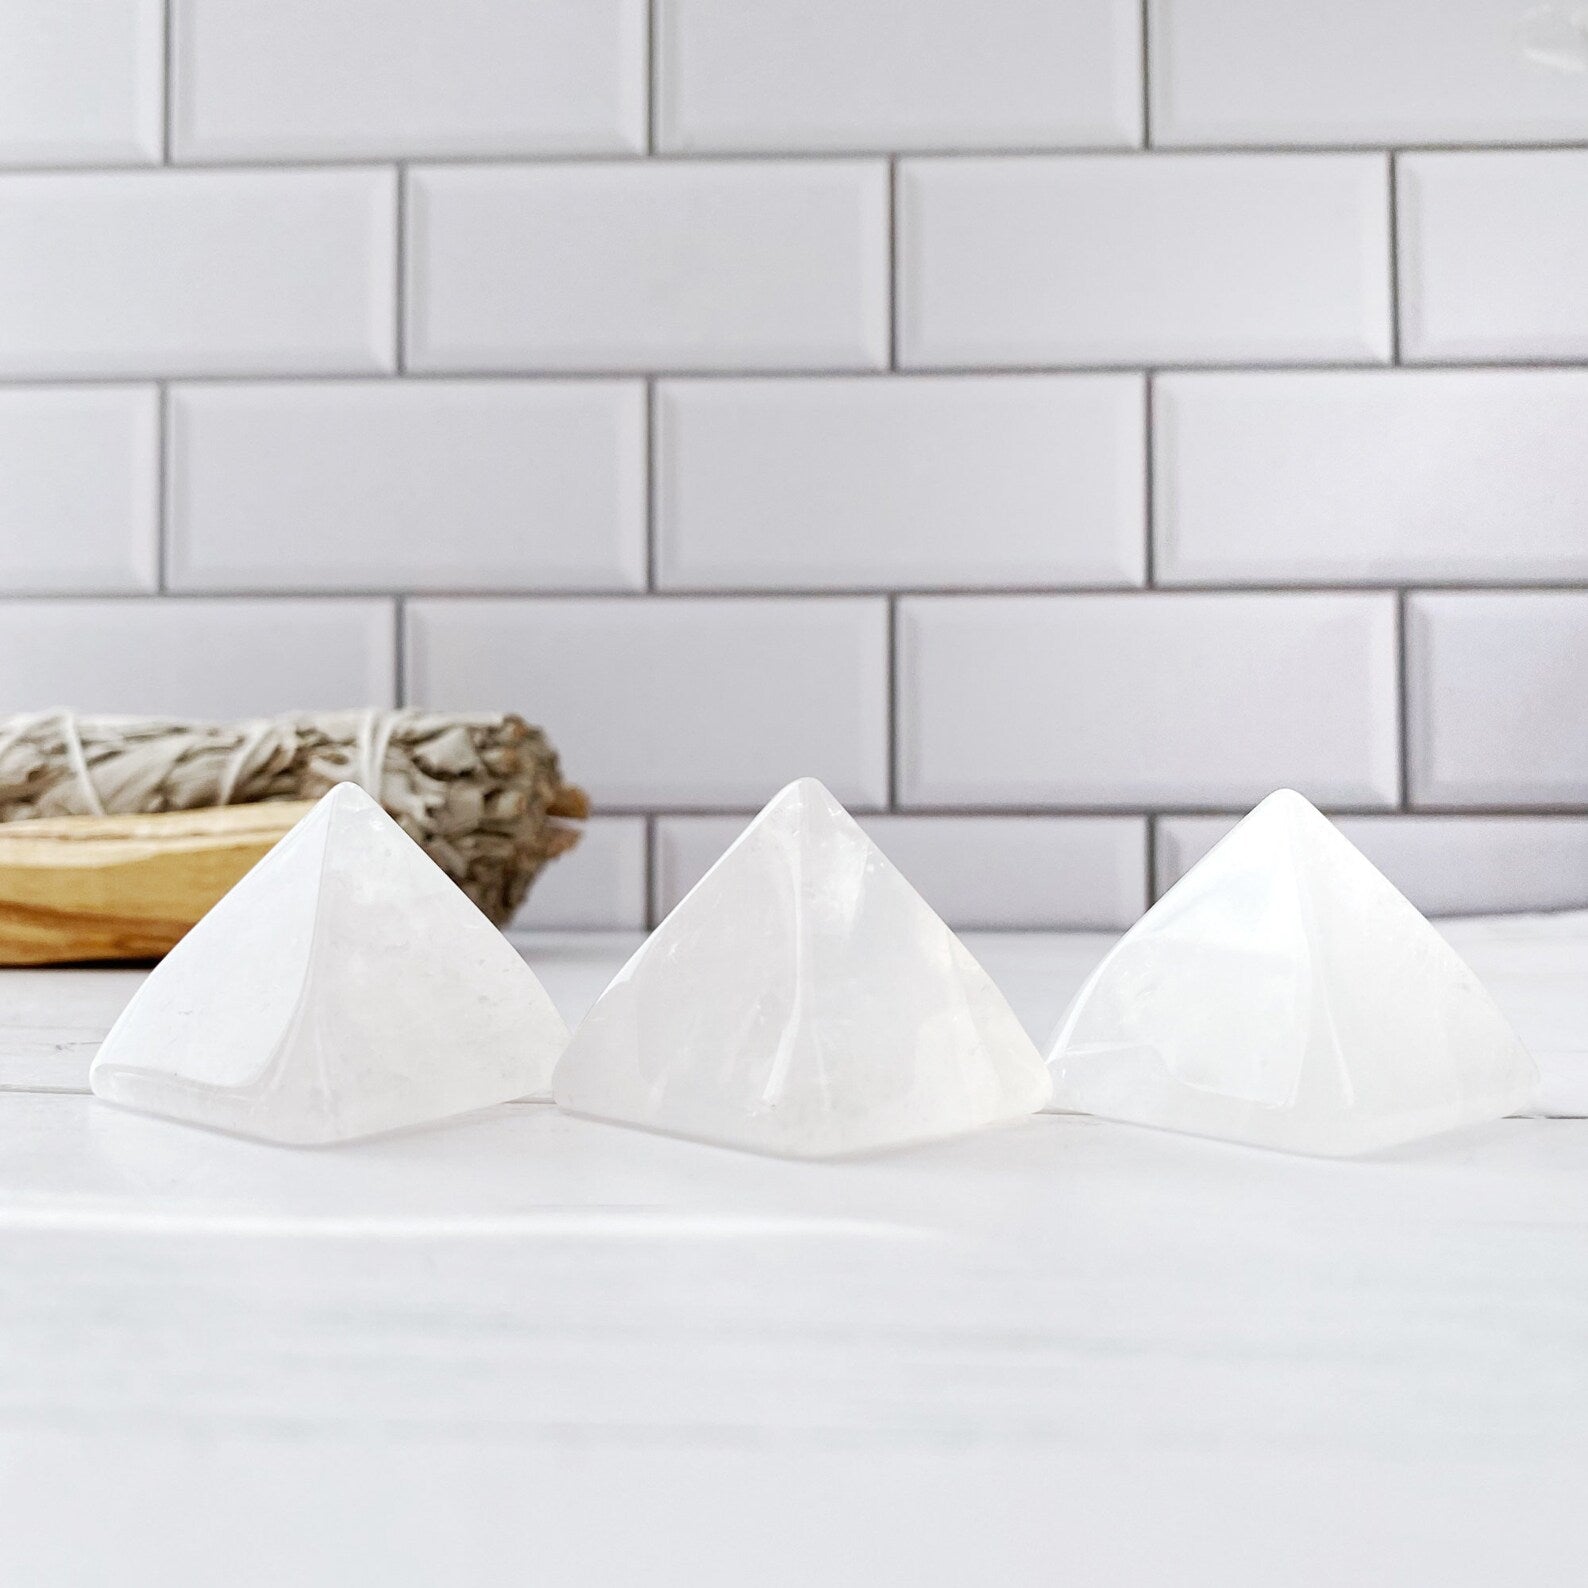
(520, 1347)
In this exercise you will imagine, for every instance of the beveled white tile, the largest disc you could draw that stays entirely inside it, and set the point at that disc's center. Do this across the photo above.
(81, 81)
(600, 885)
(197, 272)
(918, 481)
(1498, 707)
(1494, 254)
(1153, 258)
(636, 266)
(992, 872)
(1367, 72)
(1300, 476)
(408, 485)
(673, 702)
(272, 78)
(830, 74)
(79, 488)
(1133, 700)
(204, 659)
(1446, 865)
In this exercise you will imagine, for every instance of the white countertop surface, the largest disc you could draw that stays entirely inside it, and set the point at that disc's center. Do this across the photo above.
(524, 1348)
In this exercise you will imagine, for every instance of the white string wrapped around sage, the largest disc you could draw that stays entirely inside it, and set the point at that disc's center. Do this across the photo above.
(479, 792)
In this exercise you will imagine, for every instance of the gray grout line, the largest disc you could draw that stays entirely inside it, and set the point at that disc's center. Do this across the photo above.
(540, 593)
(162, 488)
(1403, 695)
(168, 83)
(893, 704)
(400, 275)
(651, 464)
(1394, 258)
(400, 650)
(1159, 592)
(653, 881)
(1149, 564)
(1146, 74)
(521, 374)
(893, 265)
(652, 97)
(768, 156)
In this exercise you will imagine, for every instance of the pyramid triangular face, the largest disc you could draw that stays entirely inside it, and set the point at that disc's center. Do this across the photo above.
(803, 1000)
(1284, 994)
(344, 987)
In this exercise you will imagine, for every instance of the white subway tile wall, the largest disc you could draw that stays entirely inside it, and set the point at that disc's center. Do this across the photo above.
(798, 75)
(113, 273)
(1127, 259)
(205, 659)
(81, 83)
(370, 79)
(924, 480)
(687, 702)
(1336, 477)
(1496, 698)
(1379, 72)
(606, 889)
(79, 489)
(433, 485)
(1494, 254)
(628, 265)
(1142, 700)
(999, 409)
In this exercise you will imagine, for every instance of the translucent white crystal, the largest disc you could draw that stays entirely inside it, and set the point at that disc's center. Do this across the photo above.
(345, 986)
(803, 999)
(1283, 993)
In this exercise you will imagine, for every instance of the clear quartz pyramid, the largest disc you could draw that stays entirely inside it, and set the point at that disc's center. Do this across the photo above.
(1284, 994)
(803, 1000)
(344, 987)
